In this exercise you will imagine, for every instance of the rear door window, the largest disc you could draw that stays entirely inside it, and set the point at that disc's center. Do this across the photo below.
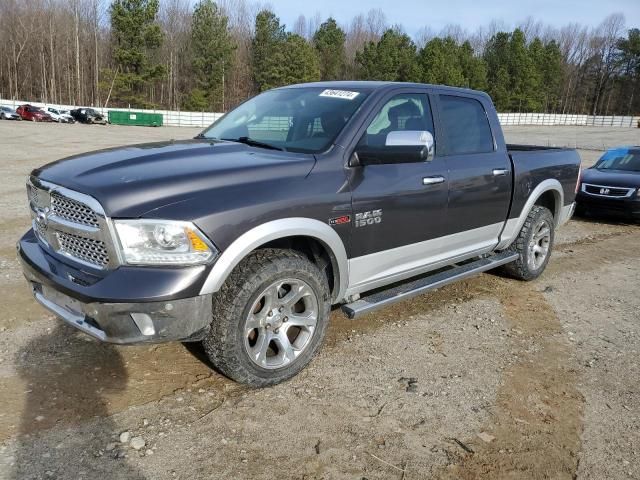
(465, 125)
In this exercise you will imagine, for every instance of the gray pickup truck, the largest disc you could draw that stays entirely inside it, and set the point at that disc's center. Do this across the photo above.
(357, 194)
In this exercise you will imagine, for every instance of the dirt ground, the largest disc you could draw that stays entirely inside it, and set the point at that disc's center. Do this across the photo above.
(488, 378)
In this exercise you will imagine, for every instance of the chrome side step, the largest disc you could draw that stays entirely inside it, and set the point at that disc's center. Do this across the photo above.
(382, 298)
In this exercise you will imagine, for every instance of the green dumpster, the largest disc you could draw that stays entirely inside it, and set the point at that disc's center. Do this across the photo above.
(117, 117)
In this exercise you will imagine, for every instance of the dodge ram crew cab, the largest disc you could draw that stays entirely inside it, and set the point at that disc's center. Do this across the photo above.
(356, 194)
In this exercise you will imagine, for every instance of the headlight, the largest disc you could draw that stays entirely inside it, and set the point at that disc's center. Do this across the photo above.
(162, 242)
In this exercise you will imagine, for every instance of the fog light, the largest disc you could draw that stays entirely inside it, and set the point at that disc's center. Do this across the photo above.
(144, 323)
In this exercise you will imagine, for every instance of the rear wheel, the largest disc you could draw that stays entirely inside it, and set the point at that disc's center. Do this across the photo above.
(269, 318)
(534, 245)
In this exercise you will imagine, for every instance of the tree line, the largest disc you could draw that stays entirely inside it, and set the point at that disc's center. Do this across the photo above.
(212, 55)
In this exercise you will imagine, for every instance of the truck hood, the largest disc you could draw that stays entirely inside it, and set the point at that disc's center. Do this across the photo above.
(130, 181)
(612, 178)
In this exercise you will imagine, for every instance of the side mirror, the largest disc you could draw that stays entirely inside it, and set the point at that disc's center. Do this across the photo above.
(410, 146)
(410, 138)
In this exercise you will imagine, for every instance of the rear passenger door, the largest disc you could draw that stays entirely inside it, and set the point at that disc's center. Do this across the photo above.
(479, 174)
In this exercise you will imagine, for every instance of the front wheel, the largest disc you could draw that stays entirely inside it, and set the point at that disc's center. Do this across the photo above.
(269, 318)
(534, 245)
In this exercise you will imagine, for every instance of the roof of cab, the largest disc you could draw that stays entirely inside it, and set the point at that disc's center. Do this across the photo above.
(371, 85)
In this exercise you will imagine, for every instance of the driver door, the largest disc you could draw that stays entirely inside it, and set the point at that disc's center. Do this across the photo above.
(400, 207)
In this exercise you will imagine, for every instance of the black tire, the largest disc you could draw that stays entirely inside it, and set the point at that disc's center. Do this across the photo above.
(529, 264)
(235, 303)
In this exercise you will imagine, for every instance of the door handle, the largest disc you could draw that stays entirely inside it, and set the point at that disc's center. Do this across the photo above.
(432, 180)
(500, 172)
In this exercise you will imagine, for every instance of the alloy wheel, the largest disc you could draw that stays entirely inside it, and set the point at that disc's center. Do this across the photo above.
(539, 245)
(280, 323)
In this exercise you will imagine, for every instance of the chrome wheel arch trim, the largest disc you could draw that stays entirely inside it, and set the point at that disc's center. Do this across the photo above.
(514, 225)
(276, 230)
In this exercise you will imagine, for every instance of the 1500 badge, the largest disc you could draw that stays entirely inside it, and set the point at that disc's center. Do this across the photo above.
(371, 217)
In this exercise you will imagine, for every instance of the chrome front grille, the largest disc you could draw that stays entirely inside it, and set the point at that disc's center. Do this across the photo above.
(73, 211)
(40, 230)
(85, 249)
(607, 191)
(32, 193)
(71, 224)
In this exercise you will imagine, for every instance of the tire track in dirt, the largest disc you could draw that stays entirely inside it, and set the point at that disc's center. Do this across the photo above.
(537, 418)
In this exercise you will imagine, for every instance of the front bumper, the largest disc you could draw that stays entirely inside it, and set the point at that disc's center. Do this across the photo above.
(139, 309)
(616, 207)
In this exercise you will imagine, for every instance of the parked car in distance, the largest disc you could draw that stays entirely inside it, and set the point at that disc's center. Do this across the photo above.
(35, 114)
(8, 113)
(59, 115)
(612, 186)
(88, 115)
(358, 194)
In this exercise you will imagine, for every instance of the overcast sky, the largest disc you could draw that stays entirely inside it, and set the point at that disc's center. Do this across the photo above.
(414, 14)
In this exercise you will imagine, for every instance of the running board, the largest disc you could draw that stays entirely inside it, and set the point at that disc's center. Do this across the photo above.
(382, 298)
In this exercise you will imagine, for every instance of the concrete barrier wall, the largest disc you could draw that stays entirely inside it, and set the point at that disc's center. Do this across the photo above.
(568, 119)
(203, 119)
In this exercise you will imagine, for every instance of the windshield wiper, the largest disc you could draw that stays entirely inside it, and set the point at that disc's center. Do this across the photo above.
(200, 135)
(254, 143)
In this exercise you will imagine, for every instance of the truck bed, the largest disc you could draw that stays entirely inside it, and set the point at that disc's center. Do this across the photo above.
(514, 147)
(534, 164)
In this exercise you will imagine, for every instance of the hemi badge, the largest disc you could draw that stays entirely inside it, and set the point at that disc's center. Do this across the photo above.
(340, 220)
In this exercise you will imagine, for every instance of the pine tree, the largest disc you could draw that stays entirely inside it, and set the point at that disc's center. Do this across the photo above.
(267, 52)
(474, 69)
(440, 62)
(552, 76)
(523, 75)
(514, 79)
(393, 58)
(536, 90)
(212, 48)
(443, 61)
(137, 35)
(301, 61)
(280, 58)
(630, 61)
(630, 52)
(329, 43)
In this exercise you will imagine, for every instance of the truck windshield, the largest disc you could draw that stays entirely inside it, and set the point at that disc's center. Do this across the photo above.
(303, 119)
(620, 159)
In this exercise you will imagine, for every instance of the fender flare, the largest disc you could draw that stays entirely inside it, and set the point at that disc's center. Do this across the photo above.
(514, 225)
(275, 230)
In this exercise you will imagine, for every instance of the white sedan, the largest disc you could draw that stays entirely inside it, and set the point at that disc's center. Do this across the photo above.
(59, 115)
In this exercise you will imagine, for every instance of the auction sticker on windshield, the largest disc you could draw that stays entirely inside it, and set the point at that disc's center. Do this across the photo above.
(344, 94)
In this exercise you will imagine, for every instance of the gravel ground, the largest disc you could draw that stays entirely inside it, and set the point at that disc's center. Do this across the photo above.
(487, 378)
